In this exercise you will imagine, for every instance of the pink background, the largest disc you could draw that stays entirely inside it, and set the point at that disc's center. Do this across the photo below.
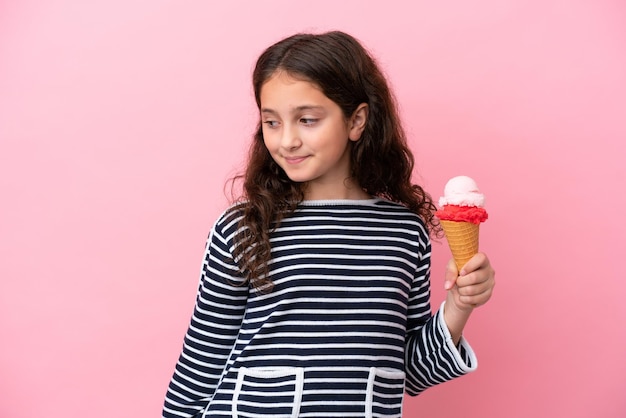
(121, 120)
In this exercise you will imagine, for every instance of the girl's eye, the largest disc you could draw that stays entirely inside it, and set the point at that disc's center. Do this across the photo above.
(308, 121)
(271, 123)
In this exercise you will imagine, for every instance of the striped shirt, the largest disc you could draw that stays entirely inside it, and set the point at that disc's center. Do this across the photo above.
(346, 330)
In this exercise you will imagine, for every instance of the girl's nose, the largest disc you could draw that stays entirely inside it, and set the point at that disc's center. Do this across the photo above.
(290, 138)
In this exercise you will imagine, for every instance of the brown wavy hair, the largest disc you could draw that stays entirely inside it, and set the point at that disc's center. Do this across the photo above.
(381, 161)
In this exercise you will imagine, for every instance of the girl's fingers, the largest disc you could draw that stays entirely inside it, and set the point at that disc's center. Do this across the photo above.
(452, 275)
(477, 262)
(476, 299)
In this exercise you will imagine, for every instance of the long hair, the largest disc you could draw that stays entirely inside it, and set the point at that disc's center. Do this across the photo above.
(381, 161)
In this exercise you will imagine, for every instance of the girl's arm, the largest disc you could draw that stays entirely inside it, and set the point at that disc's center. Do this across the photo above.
(431, 355)
(213, 330)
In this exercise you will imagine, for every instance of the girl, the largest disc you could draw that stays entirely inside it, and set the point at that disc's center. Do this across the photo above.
(314, 295)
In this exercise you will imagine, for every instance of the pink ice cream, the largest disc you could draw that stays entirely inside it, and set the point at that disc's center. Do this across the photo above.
(462, 201)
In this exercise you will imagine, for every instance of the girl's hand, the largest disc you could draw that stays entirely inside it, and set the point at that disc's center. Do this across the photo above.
(467, 289)
(472, 286)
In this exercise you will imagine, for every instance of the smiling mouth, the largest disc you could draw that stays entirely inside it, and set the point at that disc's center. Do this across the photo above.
(295, 160)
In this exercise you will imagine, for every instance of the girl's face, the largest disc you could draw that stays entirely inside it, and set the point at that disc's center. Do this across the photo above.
(309, 137)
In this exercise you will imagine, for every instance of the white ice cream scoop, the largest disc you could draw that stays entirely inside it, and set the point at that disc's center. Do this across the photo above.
(462, 191)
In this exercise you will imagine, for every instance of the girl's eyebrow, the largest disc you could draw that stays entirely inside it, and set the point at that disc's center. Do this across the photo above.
(294, 110)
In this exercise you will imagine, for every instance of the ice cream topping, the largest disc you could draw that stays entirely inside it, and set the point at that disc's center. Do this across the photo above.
(462, 191)
(462, 202)
(457, 213)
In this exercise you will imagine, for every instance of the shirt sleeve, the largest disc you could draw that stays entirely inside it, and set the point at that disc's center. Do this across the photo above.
(212, 332)
(431, 356)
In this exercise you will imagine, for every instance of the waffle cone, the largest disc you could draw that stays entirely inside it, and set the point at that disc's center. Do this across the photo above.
(462, 238)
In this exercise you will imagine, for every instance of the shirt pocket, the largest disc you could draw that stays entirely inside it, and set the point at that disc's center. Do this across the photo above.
(384, 394)
(268, 392)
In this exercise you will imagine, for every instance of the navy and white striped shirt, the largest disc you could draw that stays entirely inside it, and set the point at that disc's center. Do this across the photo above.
(345, 331)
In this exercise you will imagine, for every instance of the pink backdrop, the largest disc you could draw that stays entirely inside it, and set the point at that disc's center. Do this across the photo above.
(121, 120)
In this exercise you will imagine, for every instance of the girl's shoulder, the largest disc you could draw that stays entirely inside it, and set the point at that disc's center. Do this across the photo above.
(227, 222)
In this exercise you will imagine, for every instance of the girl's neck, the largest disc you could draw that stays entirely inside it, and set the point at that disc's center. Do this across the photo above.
(350, 191)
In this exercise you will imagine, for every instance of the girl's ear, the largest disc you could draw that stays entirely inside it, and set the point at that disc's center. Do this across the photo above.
(358, 121)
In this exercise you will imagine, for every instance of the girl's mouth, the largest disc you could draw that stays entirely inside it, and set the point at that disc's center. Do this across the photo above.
(295, 160)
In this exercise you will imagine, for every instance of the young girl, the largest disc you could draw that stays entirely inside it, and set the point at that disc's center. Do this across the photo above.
(314, 295)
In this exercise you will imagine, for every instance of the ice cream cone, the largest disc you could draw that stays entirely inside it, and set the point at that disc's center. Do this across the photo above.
(462, 238)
